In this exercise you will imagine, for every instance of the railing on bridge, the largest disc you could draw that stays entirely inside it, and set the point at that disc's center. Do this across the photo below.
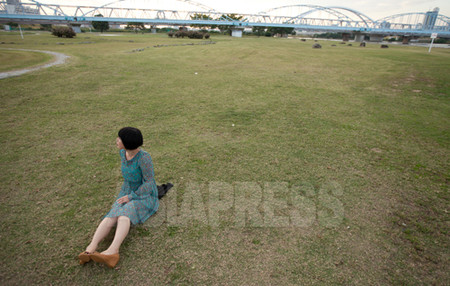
(305, 17)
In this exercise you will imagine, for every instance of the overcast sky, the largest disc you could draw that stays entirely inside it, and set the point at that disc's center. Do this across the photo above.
(375, 9)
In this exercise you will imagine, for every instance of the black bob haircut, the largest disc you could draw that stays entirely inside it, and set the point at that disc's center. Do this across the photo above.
(131, 138)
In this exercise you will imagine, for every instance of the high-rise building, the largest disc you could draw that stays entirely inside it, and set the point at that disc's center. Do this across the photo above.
(430, 19)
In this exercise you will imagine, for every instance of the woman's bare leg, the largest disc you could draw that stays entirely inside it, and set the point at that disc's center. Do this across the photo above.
(102, 231)
(123, 226)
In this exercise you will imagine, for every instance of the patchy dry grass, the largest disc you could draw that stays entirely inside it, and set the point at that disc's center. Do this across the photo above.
(13, 60)
(359, 137)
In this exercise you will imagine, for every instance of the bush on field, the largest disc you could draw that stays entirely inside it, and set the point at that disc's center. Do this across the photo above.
(63, 32)
(181, 34)
(189, 34)
(195, 35)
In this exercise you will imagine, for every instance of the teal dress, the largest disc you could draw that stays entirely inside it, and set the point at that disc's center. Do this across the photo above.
(140, 187)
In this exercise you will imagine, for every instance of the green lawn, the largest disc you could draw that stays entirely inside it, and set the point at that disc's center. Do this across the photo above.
(355, 139)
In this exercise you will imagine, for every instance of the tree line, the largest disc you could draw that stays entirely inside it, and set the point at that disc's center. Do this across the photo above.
(226, 29)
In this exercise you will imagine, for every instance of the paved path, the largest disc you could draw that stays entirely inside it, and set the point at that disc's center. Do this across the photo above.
(58, 59)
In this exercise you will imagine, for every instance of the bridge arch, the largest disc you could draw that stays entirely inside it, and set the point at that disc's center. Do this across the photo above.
(305, 17)
(301, 6)
(417, 14)
(415, 20)
(336, 9)
(339, 14)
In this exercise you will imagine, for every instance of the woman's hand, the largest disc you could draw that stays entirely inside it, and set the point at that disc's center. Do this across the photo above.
(123, 200)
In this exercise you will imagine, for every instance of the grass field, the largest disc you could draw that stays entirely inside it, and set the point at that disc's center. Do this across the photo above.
(13, 60)
(355, 139)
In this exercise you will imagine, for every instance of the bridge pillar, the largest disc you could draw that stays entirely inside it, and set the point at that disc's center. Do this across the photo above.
(376, 38)
(76, 28)
(345, 37)
(153, 28)
(236, 32)
(359, 37)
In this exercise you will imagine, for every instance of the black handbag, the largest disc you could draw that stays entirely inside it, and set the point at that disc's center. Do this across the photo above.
(163, 189)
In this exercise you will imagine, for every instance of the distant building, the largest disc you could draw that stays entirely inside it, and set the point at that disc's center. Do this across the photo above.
(16, 7)
(430, 19)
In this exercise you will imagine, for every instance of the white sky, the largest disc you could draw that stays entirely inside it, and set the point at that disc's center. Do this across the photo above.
(375, 9)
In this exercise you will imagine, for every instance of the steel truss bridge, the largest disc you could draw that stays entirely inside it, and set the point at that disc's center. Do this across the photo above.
(188, 12)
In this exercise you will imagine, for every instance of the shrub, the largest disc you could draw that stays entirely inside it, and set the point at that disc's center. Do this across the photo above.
(207, 36)
(63, 32)
(170, 34)
(181, 33)
(189, 34)
(441, 41)
(45, 27)
(12, 25)
(198, 35)
(195, 35)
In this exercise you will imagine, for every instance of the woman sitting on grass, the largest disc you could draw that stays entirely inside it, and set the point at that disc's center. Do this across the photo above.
(137, 200)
